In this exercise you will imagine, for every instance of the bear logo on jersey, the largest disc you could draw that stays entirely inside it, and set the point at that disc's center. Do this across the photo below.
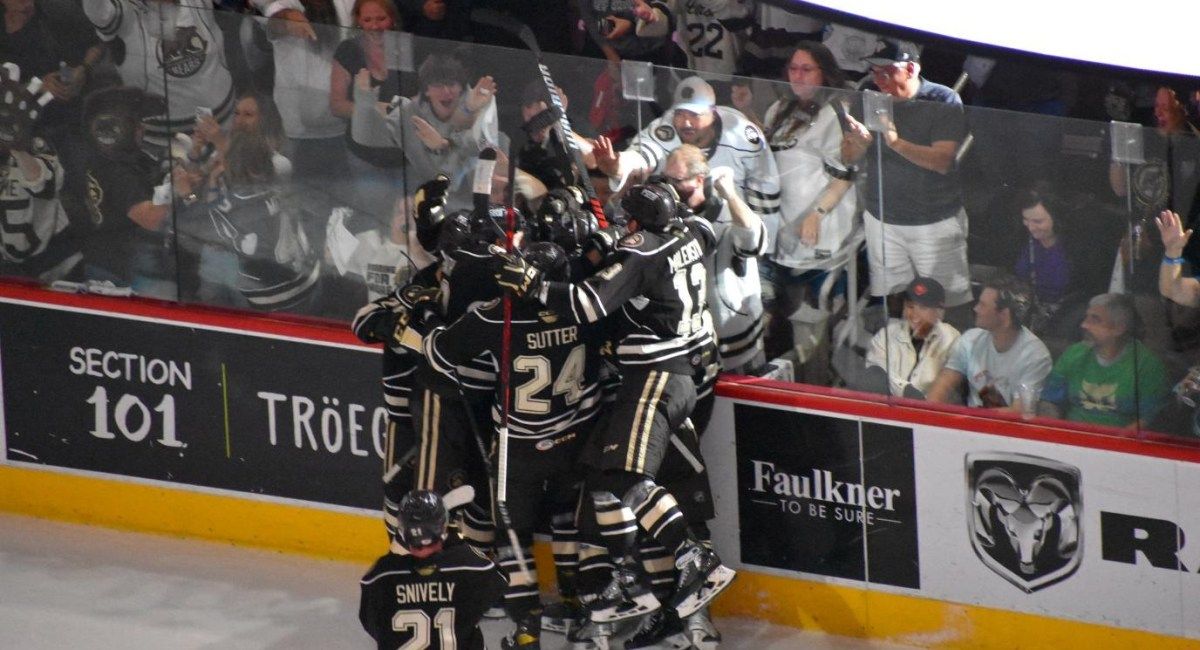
(183, 55)
(664, 133)
(95, 199)
(752, 134)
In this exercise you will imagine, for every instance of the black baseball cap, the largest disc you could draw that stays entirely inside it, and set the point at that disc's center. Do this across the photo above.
(893, 53)
(926, 292)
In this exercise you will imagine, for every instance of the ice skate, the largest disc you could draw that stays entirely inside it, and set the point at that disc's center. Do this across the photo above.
(701, 578)
(660, 629)
(589, 635)
(700, 630)
(624, 597)
(560, 617)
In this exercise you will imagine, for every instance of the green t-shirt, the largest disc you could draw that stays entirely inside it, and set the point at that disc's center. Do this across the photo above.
(1105, 395)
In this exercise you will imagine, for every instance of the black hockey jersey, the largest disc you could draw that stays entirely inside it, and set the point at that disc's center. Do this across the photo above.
(555, 364)
(655, 285)
(435, 602)
(277, 269)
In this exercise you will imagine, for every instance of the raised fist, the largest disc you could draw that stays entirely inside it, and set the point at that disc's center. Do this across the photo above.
(19, 107)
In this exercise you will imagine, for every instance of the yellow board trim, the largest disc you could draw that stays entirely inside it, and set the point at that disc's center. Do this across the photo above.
(914, 621)
(152, 509)
(812, 606)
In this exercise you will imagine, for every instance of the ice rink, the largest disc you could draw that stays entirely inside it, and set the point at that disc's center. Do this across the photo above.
(71, 586)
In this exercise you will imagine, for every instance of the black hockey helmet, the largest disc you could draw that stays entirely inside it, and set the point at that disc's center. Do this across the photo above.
(455, 232)
(421, 519)
(654, 206)
(550, 259)
(563, 219)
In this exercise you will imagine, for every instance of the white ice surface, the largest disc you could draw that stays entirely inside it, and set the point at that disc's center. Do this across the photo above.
(69, 586)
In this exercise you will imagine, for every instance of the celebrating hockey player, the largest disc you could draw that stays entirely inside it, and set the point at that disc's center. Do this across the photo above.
(656, 281)
(428, 591)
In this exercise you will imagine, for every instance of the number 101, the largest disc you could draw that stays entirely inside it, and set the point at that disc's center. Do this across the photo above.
(133, 418)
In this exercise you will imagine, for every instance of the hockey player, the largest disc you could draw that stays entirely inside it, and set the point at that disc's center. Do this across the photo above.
(376, 323)
(554, 401)
(712, 31)
(724, 134)
(426, 592)
(171, 49)
(655, 285)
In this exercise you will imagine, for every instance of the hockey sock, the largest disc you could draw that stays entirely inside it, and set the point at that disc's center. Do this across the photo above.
(564, 535)
(659, 515)
(595, 568)
(478, 529)
(521, 600)
(618, 525)
(659, 565)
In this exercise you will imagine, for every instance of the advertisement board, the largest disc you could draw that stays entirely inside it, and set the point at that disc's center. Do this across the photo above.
(818, 494)
(1058, 530)
(191, 405)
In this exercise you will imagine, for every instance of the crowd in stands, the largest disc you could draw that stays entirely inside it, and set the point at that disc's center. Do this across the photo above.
(262, 155)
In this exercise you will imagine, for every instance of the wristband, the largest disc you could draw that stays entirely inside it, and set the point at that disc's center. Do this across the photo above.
(1172, 260)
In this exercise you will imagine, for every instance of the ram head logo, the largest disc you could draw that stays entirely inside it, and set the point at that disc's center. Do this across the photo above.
(1024, 517)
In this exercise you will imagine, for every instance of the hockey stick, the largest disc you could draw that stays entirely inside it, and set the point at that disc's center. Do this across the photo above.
(482, 196)
(562, 124)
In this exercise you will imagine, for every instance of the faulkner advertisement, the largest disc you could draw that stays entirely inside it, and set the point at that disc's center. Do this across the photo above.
(184, 404)
(818, 494)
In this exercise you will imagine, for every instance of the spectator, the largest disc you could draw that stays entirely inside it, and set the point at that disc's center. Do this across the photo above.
(1110, 377)
(169, 50)
(610, 25)
(996, 357)
(255, 115)
(734, 289)
(715, 31)
(731, 140)
(1172, 283)
(55, 42)
(253, 218)
(129, 196)
(445, 19)
(303, 37)
(441, 131)
(923, 225)
(816, 207)
(361, 68)
(910, 352)
(31, 241)
(1043, 262)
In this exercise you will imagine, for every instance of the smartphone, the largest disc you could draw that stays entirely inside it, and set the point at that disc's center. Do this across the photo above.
(839, 107)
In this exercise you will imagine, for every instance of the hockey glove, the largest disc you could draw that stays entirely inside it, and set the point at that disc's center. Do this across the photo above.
(603, 241)
(418, 313)
(430, 201)
(518, 275)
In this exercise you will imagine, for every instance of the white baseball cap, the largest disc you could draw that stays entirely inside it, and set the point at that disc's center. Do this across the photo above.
(695, 95)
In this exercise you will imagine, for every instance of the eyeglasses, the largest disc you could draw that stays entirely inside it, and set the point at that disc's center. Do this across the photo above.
(806, 69)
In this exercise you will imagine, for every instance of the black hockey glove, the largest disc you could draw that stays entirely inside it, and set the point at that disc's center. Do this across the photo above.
(417, 313)
(603, 241)
(518, 276)
(430, 202)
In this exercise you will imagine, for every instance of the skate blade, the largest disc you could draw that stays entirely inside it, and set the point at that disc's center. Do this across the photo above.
(555, 626)
(639, 606)
(494, 613)
(599, 643)
(714, 584)
(701, 640)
